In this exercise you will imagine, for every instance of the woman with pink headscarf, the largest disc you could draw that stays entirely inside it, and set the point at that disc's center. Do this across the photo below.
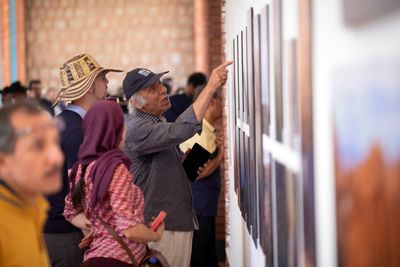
(101, 187)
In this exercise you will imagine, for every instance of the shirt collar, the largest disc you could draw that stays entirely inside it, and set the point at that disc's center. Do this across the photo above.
(77, 109)
(148, 116)
(208, 125)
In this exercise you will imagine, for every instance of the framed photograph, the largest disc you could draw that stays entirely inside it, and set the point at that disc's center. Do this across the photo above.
(236, 113)
(253, 183)
(277, 39)
(245, 88)
(244, 186)
(367, 162)
(304, 74)
(357, 12)
(265, 207)
(240, 75)
(282, 220)
(286, 215)
(265, 69)
(263, 158)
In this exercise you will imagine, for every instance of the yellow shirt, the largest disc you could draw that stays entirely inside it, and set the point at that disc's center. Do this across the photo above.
(21, 226)
(206, 139)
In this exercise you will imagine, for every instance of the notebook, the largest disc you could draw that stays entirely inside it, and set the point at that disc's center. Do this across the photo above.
(196, 158)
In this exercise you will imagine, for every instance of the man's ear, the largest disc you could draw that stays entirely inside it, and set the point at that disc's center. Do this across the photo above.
(137, 104)
(3, 164)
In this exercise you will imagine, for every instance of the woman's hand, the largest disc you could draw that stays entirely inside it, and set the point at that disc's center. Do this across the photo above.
(159, 232)
(86, 240)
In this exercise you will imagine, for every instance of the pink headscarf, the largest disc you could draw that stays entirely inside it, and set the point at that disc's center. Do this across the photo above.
(103, 127)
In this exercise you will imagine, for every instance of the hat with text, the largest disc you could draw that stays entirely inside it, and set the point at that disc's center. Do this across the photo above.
(77, 76)
(138, 79)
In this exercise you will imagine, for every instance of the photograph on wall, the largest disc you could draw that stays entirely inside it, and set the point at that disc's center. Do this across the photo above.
(242, 187)
(245, 136)
(367, 162)
(358, 12)
(252, 116)
(262, 105)
(265, 69)
(277, 39)
(282, 216)
(243, 60)
(244, 182)
(235, 115)
(265, 211)
(304, 77)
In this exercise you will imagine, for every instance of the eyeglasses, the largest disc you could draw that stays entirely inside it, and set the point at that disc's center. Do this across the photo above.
(56, 123)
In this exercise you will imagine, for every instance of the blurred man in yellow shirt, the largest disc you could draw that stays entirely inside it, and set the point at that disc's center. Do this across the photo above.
(30, 166)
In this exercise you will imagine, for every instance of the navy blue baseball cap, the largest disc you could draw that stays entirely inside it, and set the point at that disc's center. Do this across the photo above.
(138, 79)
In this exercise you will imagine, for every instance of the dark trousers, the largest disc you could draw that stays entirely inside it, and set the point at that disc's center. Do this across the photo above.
(203, 246)
(63, 249)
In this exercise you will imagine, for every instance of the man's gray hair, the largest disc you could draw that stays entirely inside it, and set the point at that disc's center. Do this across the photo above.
(135, 98)
(8, 136)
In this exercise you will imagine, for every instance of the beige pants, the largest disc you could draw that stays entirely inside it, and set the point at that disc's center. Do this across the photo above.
(176, 247)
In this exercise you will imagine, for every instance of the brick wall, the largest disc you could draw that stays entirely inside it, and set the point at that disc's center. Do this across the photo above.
(157, 34)
(215, 56)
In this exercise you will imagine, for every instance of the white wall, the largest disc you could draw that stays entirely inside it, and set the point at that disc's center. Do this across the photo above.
(334, 45)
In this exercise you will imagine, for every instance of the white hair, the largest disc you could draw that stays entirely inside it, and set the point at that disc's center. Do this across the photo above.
(135, 98)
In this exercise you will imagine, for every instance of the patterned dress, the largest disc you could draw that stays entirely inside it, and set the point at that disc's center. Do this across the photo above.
(123, 208)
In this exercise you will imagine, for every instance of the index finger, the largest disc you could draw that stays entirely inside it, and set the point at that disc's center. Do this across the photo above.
(225, 64)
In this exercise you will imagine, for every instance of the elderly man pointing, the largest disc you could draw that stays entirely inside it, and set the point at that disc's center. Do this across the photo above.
(151, 144)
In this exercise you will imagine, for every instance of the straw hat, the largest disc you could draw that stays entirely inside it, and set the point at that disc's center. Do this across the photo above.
(77, 76)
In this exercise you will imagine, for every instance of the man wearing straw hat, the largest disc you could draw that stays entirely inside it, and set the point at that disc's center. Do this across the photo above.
(83, 83)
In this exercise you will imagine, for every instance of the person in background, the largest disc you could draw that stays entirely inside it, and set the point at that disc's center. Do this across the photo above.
(151, 144)
(35, 92)
(83, 83)
(50, 94)
(168, 84)
(102, 188)
(30, 166)
(206, 188)
(18, 92)
(6, 96)
(180, 102)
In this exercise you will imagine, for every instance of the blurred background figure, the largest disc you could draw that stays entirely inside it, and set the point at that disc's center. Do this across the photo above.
(6, 96)
(18, 91)
(35, 92)
(206, 188)
(179, 103)
(118, 96)
(168, 84)
(50, 94)
(30, 166)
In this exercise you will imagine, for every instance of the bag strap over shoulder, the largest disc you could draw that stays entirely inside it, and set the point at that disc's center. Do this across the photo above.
(149, 253)
(120, 241)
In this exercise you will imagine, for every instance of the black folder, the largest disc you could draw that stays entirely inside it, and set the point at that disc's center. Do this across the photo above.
(196, 158)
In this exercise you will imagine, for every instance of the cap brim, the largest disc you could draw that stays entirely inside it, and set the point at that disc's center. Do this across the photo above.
(153, 80)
